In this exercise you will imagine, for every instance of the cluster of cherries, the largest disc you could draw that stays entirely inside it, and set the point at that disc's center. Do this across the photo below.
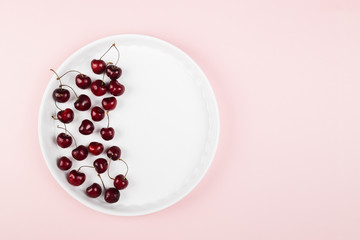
(83, 103)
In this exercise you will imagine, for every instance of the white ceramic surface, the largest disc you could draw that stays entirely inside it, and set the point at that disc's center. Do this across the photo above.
(166, 123)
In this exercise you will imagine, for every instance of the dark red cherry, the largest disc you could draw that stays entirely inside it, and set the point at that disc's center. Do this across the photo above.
(120, 182)
(76, 178)
(94, 190)
(112, 195)
(98, 66)
(64, 163)
(97, 114)
(82, 81)
(65, 116)
(64, 140)
(109, 103)
(86, 127)
(95, 148)
(107, 133)
(101, 165)
(98, 87)
(116, 88)
(80, 153)
(83, 103)
(61, 95)
(113, 72)
(113, 153)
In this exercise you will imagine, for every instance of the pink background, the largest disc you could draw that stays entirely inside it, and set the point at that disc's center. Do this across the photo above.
(287, 79)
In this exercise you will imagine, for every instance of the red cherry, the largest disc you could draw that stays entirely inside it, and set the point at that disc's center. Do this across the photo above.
(86, 127)
(120, 182)
(76, 178)
(101, 165)
(94, 190)
(83, 103)
(116, 88)
(97, 114)
(65, 116)
(98, 66)
(112, 195)
(80, 153)
(82, 81)
(113, 72)
(64, 140)
(109, 103)
(98, 87)
(113, 153)
(64, 163)
(95, 148)
(61, 95)
(107, 133)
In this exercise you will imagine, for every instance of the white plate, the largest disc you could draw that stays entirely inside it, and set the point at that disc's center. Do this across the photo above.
(166, 124)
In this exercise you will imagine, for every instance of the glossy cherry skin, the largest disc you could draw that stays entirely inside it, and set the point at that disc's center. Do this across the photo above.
(113, 153)
(82, 81)
(109, 103)
(101, 165)
(80, 153)
(94, 190)
(97, 113)
(98, 66)
(99, 87)
(76, 178)
(112, 195)
(61, 95)
(113, 72)
(65, 116)
(83, 103)
(95, 148)
(120, 182)
(116, 88)
(107, 133)
(64, 163)
(64, 140)
(86, 127)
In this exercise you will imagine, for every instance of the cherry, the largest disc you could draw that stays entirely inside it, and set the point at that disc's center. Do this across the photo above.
(107, 133)
(80, 153)
(98, 87)
(64, 163)
(100, 165)
(98, 66)
(109, 103)
(95, 148)
(86, 127)
(113, 153)
(97, 113)
(64, 140)
(112, 195)
(113, 72)
(65, 116)
(94, 190)
(82, 81)
(83, 103)
(116, 88)
(120, 182)
(61, 95)
(76, 178)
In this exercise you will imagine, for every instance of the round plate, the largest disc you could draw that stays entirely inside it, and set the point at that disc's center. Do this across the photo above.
(166, 124)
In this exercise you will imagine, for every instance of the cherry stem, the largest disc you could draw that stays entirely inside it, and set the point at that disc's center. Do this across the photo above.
(118, 52)
(113, 45)
(105, 70)
(108, 118)
(58, 78)
(54, 118)
(101, 181)
(127, 167)
(109, 170)
(66, 131)
(64, 85)
(85, 166)
(70, 72)
(57, 106)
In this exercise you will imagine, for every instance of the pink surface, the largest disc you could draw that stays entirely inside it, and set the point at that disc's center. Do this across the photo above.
(287, 79)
